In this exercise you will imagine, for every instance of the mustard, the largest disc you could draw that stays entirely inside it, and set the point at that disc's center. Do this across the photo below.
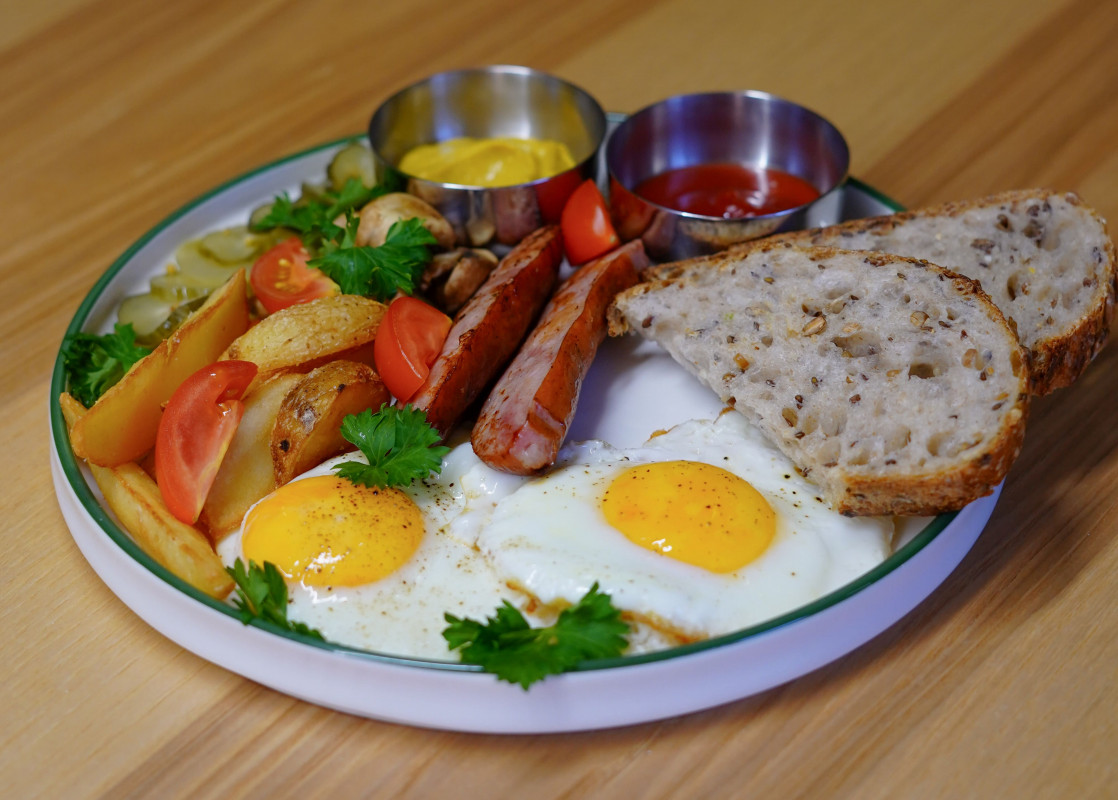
(487, 162)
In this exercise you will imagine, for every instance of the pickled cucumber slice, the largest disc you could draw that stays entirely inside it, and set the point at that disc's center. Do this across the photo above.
(180, 287)
(193, 260)
(145, 313)
(152, 319)
(355, 160)
(235, 245)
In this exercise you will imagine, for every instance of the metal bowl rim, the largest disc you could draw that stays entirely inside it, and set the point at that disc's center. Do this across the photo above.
(500, 69)
(752, 94)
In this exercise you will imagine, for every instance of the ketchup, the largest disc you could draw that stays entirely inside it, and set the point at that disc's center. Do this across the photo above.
(727, 190)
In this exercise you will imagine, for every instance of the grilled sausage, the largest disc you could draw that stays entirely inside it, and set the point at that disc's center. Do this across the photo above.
(489, 328)
(525, 419)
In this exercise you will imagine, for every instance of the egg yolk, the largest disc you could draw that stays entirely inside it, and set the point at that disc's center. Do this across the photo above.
(326, 531)
(690, 511)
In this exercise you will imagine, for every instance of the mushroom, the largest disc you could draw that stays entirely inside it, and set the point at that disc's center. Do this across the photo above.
(378, 216)
(452, 277)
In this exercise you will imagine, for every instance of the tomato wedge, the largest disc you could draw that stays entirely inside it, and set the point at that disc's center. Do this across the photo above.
(587, 230)
(281, 277)
(197, 425)
(409, 339)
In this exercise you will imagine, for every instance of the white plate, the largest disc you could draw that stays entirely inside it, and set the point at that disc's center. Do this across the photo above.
(632, 389)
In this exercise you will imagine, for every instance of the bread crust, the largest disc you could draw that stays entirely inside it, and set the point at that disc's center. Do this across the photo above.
(943, 491)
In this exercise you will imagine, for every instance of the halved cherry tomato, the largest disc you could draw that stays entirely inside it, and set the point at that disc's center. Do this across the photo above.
(587, 230)
(281, 277)
(408, 341)
(197, 425)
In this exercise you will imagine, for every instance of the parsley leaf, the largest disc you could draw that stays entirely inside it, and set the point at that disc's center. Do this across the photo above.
(379, 272)
(94, 363)
(262, 594)
(313, 217)
(506, 646)
(398, 443)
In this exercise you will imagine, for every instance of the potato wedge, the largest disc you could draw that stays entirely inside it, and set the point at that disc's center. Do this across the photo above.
(377, 216)
(246, 473)
(308, 335)
(134, 497)
(121, 425)
(308, 426)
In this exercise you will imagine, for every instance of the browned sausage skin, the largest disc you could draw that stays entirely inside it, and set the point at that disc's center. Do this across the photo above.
(489, 328)
(526, 417)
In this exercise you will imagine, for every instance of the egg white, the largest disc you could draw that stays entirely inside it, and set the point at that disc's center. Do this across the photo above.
(541, 543)
(550, 538)
(403, 613)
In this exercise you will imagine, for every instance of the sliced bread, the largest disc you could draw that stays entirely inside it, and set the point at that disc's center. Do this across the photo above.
(1044, 258)
(893, 384)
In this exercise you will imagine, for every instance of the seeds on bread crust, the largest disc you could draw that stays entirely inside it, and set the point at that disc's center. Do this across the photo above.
(885, 415)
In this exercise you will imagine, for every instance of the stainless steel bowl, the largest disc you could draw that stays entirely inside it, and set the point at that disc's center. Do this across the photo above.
(750, 128)
(490, 102)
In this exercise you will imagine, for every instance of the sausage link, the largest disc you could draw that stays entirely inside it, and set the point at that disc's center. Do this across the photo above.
(489, 328)
(526, 417)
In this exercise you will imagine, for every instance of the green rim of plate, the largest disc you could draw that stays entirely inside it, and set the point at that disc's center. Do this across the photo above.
(86, 497)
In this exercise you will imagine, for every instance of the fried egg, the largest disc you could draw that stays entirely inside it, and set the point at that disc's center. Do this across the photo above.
(378, 568)
(704, 530)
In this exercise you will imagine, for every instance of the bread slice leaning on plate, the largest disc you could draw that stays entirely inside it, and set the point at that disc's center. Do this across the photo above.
(1044, 258)
(895, 385)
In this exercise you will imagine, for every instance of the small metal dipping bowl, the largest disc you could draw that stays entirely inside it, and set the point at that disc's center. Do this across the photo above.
(749, 128)
(497, 101)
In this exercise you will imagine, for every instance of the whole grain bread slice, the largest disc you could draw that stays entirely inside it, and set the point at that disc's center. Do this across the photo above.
(1044, 258)
(892, 383)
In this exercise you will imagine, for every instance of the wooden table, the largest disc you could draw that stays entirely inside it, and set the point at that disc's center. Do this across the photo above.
(1001, 684)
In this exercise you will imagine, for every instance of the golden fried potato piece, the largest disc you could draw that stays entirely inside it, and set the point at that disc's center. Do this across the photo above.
(246, 473)
(308, 335)
(378, 215)
(121, 425)
(135, 499)
(308, 426)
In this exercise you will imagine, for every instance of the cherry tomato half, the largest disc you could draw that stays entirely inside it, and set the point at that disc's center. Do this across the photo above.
(409, 339)
(587, 230)
(197, 425)
(281, 277)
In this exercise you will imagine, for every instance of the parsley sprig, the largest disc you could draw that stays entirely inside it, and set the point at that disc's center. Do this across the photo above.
(398, 442)
(313, 217)
(94, 363)
(262, 594)
(379, 272)
(506, 646)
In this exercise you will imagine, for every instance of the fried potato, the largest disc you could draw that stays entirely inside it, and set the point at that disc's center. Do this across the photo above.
(246, 473)
(121, 425)
(378, 215)
(308, 426)
(135, 499)
(308, 335)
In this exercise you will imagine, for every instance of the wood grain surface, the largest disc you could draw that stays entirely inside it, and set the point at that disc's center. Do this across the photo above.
(116, 112)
